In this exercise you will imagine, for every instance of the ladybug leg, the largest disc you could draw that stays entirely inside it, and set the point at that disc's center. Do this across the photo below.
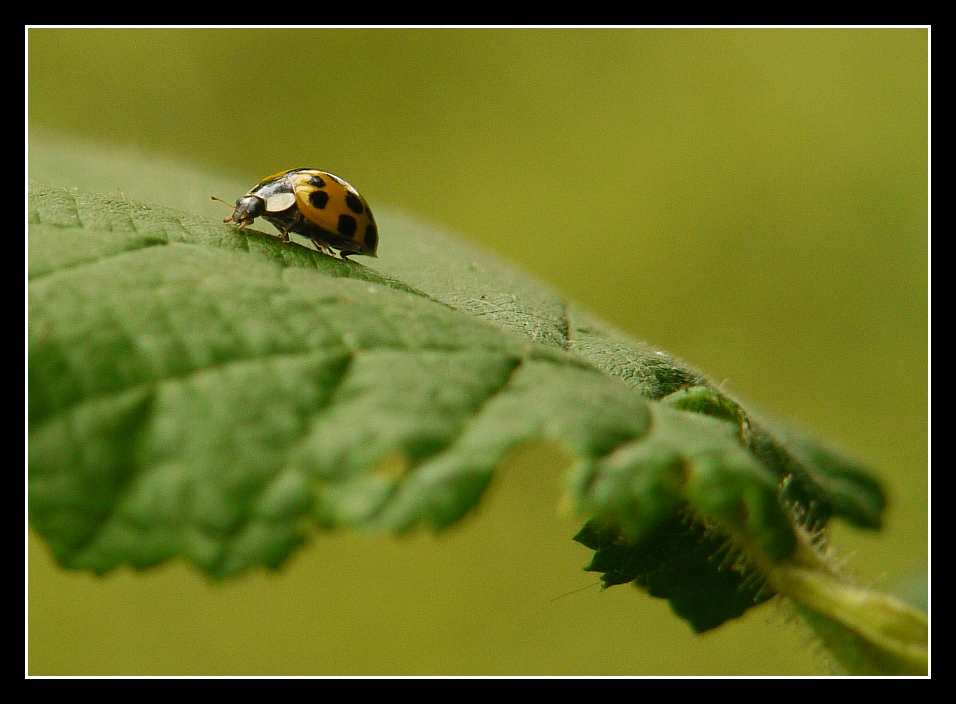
(322, 247)
(284, 234)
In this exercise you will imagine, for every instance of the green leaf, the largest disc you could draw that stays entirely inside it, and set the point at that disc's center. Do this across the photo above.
(697, 570)
(214, 395)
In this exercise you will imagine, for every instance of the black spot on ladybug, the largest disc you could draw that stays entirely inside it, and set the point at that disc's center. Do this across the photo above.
(347, 226)
(371, 237)
(316, 181)
(319, 199)
(354, 203)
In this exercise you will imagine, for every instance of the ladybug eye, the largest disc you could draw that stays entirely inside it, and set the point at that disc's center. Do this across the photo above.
(252, 206)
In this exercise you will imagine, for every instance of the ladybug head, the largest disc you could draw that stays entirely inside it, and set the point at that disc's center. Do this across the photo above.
(247, 209)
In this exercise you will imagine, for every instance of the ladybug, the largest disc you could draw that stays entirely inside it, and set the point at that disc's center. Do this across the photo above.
(315, 204)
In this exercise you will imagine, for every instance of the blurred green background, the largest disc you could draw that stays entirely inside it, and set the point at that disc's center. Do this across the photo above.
(754, 201)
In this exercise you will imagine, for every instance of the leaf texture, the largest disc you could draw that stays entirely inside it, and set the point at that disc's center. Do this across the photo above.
(208, 394)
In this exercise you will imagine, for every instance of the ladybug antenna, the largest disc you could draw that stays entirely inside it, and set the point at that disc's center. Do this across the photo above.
(231, 205)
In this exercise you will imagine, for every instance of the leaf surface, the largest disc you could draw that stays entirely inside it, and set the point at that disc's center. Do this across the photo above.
(209, 394)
